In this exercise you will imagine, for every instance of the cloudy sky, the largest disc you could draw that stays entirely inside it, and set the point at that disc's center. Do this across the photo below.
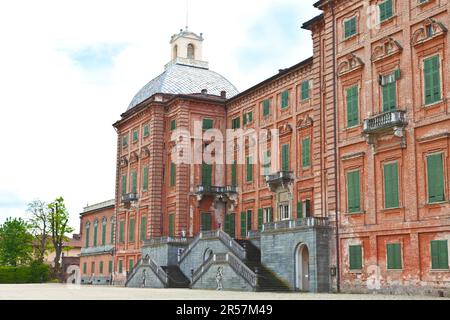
(68, 69)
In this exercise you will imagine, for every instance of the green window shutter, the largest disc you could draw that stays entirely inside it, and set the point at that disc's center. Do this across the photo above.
(352, 106)
(308, 209)
(306, 153)
(300, 210)
(121, 231)
(124, 184)
(135, 136)
(87, 236)
(389, 92)
(132, 230)
(435, 171)
(391, 196)
(236, 123)
(249, 169)
(432, 81)
(270, 214)
(394, 256)
(173, 170)
(305, 90)
(134, 182)
(267, 162)
(120, 266)
(146, 131)
(111, 230)
(206, 222)
(206, 174)
(84, 267)
(266, 107)
(104, 233)
(260, 219)
(234, 173)
(131, 265)
(355, 257)
(285, 157)
(350, 27)
(95, 233)
(285, 99)
(353, 192)
(207, 124)
(110, 266)
(101, 267)
(439, 255)
(243, 224)
(386, 10)
(125, 141)
(173, 125)
(171, 225)
(143, 228)
(249, 220)
(230, 225)
(145, 179)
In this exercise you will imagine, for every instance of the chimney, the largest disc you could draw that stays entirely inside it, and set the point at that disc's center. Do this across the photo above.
(223, 94)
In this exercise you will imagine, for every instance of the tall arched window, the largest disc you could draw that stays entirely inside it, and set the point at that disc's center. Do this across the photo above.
(190, 51)
(95, 232)
(111, 225)
(88, 227)
(104, 231)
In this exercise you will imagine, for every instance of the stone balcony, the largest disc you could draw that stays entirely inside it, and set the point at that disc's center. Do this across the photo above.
(387, 122)
(92, 251)
(129, 198)
(279, 179)
(310, 222)
(212, 190)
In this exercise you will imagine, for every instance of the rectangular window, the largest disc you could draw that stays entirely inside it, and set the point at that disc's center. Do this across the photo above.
(104, 233)
(248, 118)
(352, 106)
(391, 196)
(234, 173)
(249, 169)
(120, 266)
(394, 256)
(110, 267)
(84, 267)
(246, 222)
(285, 99)
(134, 182)
(435, 172)
(305, 90)
(355, 257)
(173, 171)
(121, 232)
(173, 125)
(386, 10)
(207, 124)
(268, 215)
(124, 141)
(131, 230)
(267, 162)
(92, 267)
(131, 265)
(236, 123)
(389, 96)
(207, 175)
(350, 27)
(124, 184)
(353, 192)
(300, 210)
(249, 220)
(266, 107)
(143, 228)
(135, 136)
(432, 79)
(101, 267)
(146, 131)
(111, 236)
(284, 212)
(260, 219)
(206, 223)
(439, 255)
(171, 225)
(230, 225)
(285, 157)
(306, 153)
(145, 179)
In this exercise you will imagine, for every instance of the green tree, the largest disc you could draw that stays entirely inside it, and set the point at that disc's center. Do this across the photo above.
(16, 243)
(59, 228)
(40, 228)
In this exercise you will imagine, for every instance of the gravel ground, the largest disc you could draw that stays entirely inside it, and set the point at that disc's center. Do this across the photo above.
(65, 292)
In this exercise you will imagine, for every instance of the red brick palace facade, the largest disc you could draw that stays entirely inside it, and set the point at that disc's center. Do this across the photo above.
(364, 143)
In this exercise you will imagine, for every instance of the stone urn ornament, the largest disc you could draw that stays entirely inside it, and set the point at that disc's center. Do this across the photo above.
(219, 278)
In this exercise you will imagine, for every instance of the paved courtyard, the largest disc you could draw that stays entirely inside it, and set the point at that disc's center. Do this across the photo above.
(64, 292)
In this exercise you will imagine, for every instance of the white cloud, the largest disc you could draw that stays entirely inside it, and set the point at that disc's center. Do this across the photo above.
(57, 110)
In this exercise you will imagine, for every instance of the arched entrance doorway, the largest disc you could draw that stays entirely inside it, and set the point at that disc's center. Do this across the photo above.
(302, 268)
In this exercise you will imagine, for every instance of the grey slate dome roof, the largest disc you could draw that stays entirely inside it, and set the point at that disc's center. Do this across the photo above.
(185, 78)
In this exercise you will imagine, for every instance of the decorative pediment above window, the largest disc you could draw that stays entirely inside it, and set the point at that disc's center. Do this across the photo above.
(387, 48)
(123, 162)
(134, 157)
(145, 153)
(305, 123)
(285, 129)
(350, 63)
(430, 29)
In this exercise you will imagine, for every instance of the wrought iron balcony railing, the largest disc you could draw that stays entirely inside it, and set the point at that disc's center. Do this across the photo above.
(129, 197)
(280, 176)
(215, 190)
(385, 120)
